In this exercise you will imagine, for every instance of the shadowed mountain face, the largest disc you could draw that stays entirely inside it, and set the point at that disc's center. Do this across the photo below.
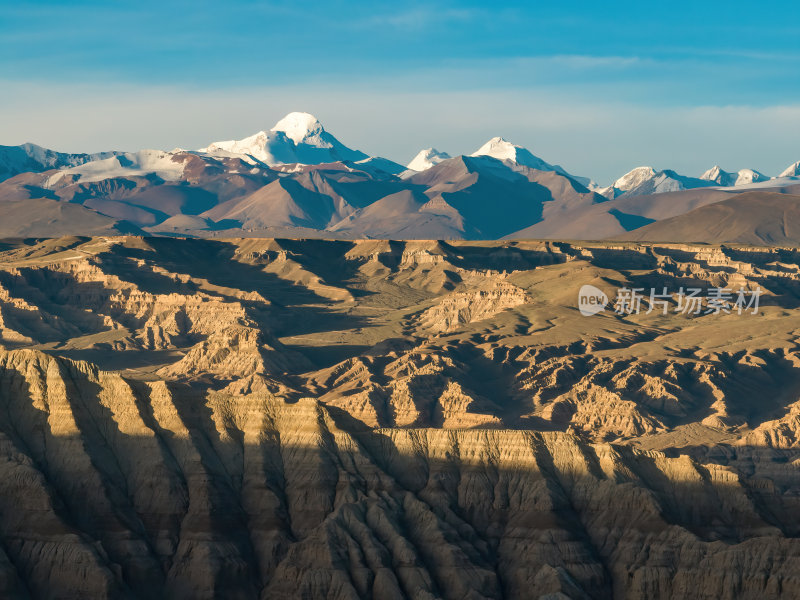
(277, 418)
(748, 218)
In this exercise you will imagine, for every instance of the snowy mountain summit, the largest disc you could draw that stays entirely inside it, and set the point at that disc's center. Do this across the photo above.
(792, 170)
(301, 127)
(634, 178)
(631, 180)
(741, 177)
(297, 138)
(502, 149)
(426, 159)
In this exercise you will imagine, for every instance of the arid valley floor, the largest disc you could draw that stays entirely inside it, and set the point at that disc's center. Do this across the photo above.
(258, 418)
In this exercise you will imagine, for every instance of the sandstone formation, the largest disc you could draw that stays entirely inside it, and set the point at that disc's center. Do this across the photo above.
(274, 418)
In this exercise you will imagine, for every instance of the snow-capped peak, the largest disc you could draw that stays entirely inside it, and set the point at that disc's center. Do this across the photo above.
(791, 170)
(746, 176)
(634, 178)
(297, 138)
(502, 149)
(298, 126)
(426, 159)
(630, 181)
(499, 148)
(741, 177)
(715, 173)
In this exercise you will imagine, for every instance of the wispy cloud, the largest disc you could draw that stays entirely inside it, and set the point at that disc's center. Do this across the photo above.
(417, 18)
(585, 61)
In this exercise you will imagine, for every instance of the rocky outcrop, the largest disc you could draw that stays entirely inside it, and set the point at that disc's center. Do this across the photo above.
(453, 311)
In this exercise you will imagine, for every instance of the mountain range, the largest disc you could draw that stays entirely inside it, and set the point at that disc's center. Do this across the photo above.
(298, 180)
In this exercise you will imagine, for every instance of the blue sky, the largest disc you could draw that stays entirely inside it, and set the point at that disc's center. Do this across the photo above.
(597, 87)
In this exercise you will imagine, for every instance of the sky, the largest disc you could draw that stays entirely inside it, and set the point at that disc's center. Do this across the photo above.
(597, 87)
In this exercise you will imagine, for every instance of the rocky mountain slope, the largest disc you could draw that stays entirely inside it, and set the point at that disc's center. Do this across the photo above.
(630, 217)
(747, 218)
(262, 418)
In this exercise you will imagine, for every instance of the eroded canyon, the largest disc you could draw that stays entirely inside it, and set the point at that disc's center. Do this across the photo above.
(257, 418)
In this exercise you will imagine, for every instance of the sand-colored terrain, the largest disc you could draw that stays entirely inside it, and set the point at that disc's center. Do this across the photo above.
(260, 418)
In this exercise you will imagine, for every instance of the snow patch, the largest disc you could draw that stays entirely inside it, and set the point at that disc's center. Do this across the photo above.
(270, 147)
(129, 164)
(761, 185)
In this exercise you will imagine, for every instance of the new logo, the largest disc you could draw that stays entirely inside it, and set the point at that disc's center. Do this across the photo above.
(591, 300)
